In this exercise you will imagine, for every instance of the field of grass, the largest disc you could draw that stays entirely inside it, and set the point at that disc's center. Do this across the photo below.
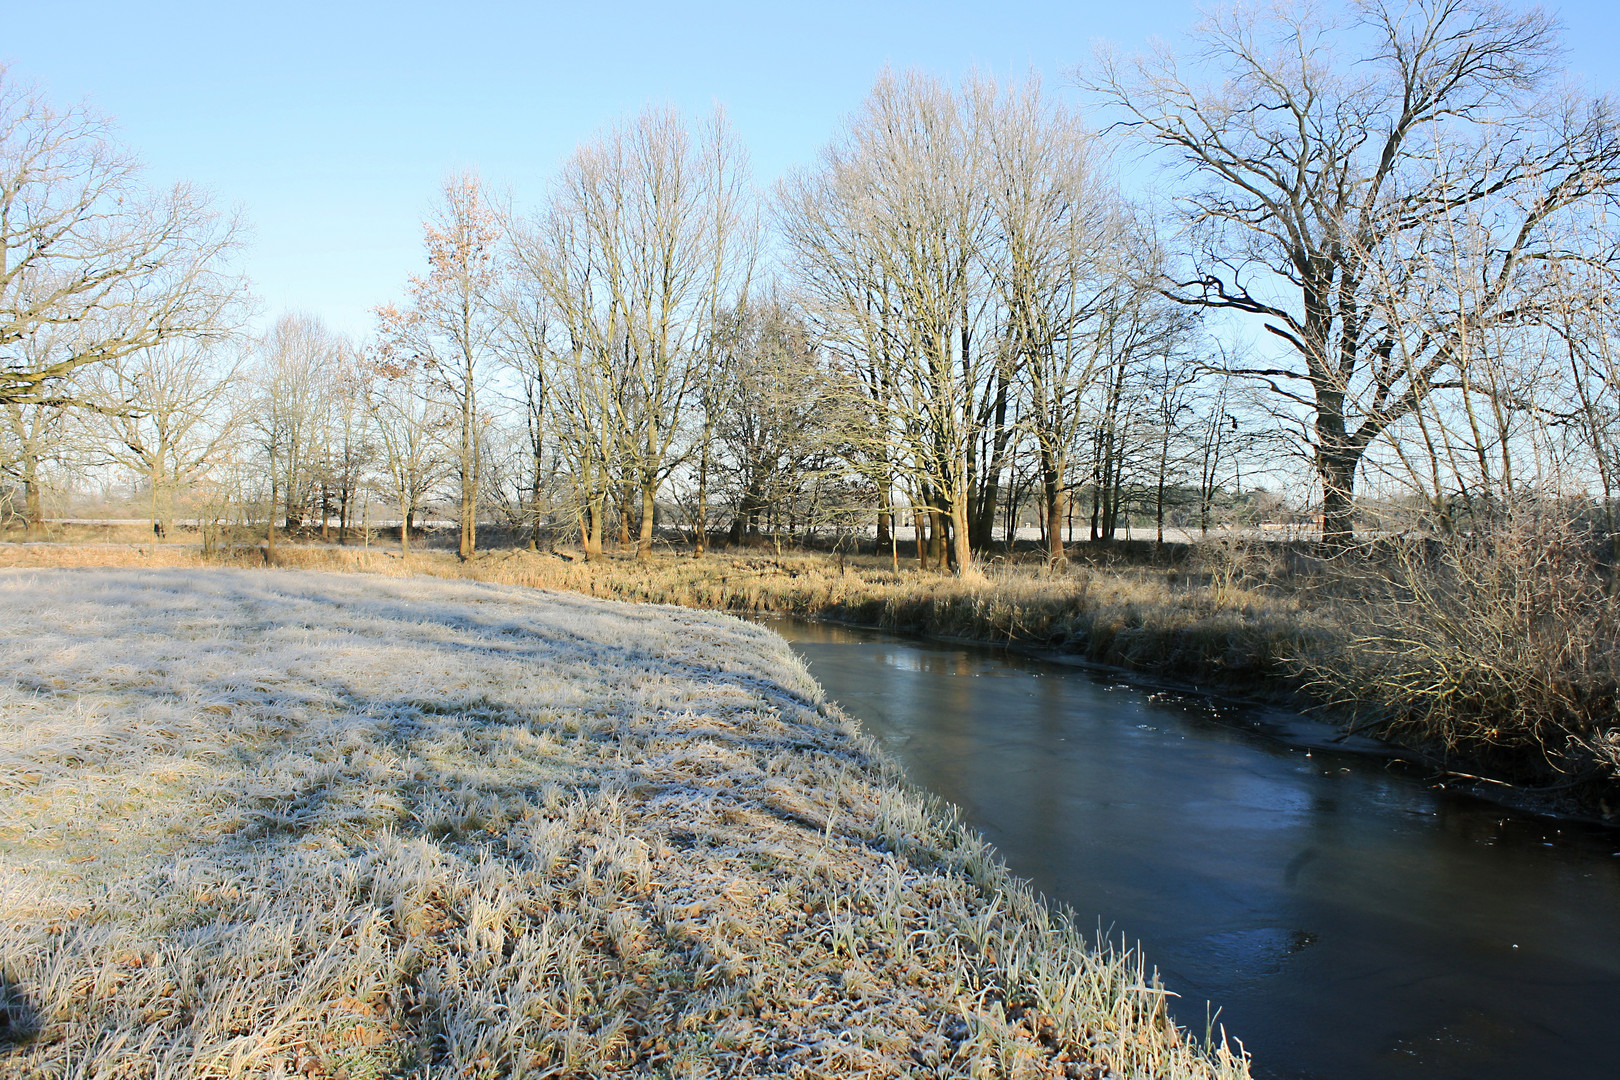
(259, 823)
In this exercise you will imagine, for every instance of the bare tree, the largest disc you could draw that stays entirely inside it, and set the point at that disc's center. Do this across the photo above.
(648, 237)
(297, 363)
(890, 228)
(92, 266)
(1055, 260)
(165, 415)
(1332, 153)
(778, 418)
(1134, 331)
(1215, 443)
(957, 247)
(32, 437)
(453, 323)
(414, 430)
(1588, 326)
(525, 348)
(347, 449)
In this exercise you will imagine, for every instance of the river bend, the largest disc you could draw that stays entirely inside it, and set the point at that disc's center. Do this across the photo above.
(1347, 922)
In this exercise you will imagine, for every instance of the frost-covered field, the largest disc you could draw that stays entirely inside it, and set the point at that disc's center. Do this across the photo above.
(272, 823)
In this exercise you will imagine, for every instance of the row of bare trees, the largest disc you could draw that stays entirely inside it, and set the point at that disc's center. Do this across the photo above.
(952, 318)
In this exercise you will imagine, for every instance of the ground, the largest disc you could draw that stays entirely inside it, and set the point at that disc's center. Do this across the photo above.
(267, 823)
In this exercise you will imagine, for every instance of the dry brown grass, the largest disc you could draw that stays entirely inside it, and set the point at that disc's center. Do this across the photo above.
(1207, 626)
(78, 532)
(1503, 656)
(1502, 645)
(266, 824)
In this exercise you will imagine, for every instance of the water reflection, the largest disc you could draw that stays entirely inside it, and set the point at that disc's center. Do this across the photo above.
(1346, 921)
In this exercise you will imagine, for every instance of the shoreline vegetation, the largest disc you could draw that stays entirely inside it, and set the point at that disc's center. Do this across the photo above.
(317, 824)
(1491, 685)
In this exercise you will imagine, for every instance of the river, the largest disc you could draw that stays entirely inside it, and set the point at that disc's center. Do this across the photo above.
(1346, 919)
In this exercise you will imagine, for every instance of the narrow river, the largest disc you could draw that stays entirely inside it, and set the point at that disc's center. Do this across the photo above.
(1346, 922)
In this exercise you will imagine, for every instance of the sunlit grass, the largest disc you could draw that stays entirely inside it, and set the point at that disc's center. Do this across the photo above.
(267, 824)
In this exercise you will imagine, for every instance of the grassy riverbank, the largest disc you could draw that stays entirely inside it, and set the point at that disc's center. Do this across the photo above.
(1501, 659)
(259, 824)
(1147, 618)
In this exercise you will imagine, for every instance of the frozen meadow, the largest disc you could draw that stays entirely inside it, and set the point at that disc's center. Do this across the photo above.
(270, 823)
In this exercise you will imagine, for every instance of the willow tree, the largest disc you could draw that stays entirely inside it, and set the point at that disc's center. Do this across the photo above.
(1331, 156)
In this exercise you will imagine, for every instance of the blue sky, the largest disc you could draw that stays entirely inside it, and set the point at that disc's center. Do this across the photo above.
(331, 125)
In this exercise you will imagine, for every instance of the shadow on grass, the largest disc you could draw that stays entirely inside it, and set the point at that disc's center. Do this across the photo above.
(19, 1020)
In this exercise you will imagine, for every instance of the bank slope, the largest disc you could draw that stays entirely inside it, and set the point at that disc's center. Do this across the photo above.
(258, 823)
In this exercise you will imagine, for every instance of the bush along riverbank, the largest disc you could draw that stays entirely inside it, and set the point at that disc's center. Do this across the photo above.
(263, 824)
(1494, 665)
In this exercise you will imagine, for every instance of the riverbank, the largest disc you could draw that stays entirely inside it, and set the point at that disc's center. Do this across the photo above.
(1133, 617)
(1242, 622)
(258, 823)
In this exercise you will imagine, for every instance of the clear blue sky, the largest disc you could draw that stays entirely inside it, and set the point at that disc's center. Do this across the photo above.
(331, 125)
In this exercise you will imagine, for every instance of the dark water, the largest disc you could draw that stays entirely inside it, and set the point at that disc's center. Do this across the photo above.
(1346, 921)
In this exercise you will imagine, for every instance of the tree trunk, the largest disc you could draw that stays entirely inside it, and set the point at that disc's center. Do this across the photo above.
(961, 548)
(1159, 513)
(649, 504)
(1055, 502)
(936, 537)
(155, 477)
(270, 529)
(534, 508)
(469, 450)
(592, 537)
(469, 516)
(626, 493)
(700, 542)
(536, 391)
(1338, 475)
(404, 528)
(33, 513)
(1053, 496)
(983, 526)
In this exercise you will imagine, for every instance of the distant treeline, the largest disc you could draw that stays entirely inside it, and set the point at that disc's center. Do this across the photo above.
(1383, 259)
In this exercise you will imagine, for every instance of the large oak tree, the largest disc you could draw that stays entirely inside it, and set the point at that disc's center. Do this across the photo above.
(93, 266)
(1382, 187)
